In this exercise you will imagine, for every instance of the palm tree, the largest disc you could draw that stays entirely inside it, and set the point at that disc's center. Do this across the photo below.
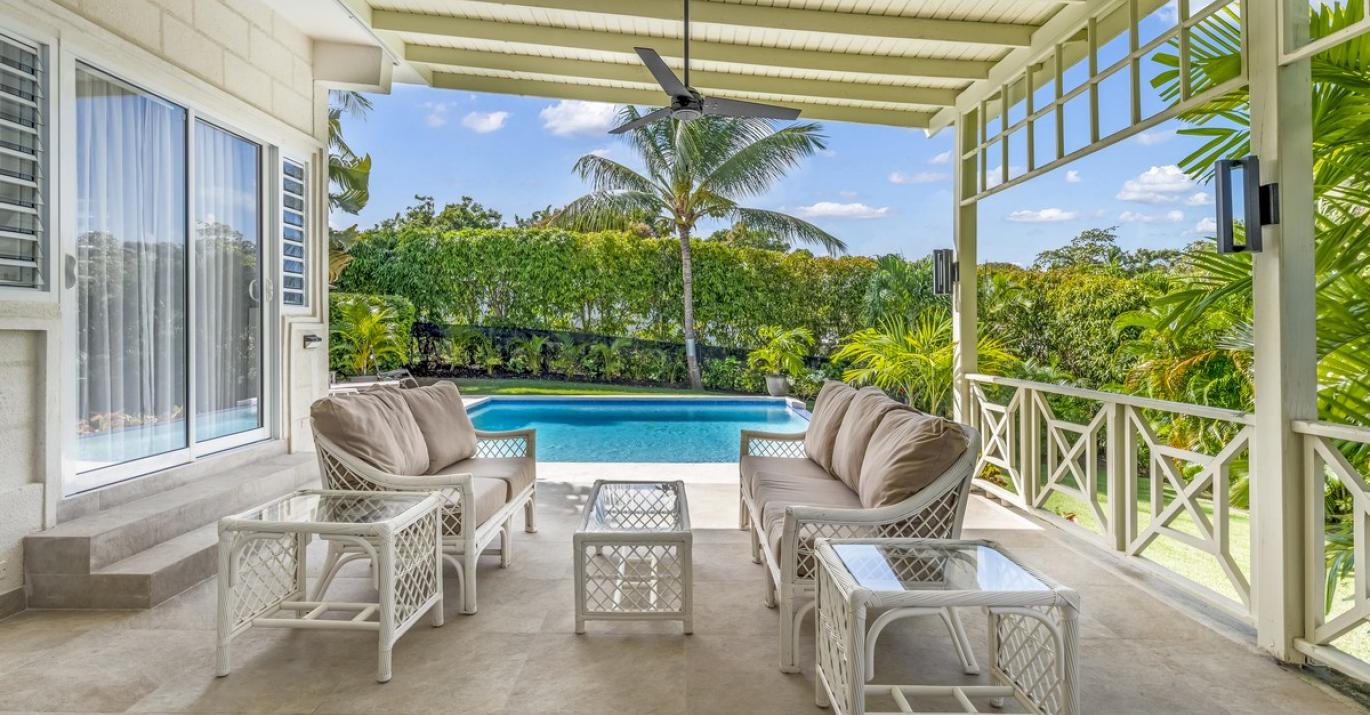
(695, 171)
(349, 175)
(364, 336)
(915, 358)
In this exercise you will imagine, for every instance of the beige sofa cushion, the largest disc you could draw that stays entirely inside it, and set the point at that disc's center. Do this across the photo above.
(489, 493)
(868, 407)
(775, 492)
(375, 426)
(750, 466)
(441, 416)
(516, 473)
(908, 451)
(828, 409)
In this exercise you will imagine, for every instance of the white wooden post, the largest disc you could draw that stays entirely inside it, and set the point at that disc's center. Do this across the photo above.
(963, 305)
(1285, 329)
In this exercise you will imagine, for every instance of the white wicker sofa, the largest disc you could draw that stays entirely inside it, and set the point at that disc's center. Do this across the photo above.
(866, 467)
(421, 439)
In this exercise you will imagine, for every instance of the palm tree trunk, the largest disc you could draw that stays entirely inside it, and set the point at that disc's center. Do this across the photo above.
(688, 297)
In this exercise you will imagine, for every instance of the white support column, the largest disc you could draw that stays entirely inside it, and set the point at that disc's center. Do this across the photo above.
(963, 299)
(1285, 330)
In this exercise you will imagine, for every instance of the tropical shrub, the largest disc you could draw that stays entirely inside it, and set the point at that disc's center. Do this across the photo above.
(367, 333)
(782, 352)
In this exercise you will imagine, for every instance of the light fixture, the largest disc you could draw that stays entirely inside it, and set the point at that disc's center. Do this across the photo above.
(945, 272)
(1239, 180)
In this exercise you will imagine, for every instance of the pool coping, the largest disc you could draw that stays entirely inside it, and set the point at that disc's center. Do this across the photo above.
(793, 403)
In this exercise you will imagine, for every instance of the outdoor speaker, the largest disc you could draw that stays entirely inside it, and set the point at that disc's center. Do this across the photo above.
(1241, 197)
(944, 271)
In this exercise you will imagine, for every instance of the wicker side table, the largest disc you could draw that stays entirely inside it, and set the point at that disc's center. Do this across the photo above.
(633, 555)
(1033, 634)
(262, 565)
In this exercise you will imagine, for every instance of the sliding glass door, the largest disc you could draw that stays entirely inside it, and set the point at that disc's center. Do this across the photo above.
(169, 283)
(228, 284)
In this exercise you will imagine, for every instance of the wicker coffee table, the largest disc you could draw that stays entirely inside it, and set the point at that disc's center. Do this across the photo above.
(633, 554)
(262, 565)
(1033, 638)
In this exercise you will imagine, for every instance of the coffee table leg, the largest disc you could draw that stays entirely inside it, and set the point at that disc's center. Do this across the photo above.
(579, 559)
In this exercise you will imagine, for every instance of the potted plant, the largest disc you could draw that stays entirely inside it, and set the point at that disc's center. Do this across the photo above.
(781, 354)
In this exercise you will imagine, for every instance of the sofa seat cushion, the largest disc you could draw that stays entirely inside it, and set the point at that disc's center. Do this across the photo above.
(515, 474)
(441, 416)
(750, 466)
(868, 407)
(907, 452)
(490, 497)
(828, 409)
(375, 426)
(776, 491)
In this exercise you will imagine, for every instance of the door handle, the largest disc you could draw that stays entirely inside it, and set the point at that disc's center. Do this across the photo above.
(69, 271)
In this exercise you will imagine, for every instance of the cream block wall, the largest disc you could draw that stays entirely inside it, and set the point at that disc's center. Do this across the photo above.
(240, 46)
(239, 61)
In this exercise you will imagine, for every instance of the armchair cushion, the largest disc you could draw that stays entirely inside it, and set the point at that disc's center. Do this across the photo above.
(792, 466)
(442, 419)
(828, 409)
(868, 407)
(908, 451)
(515, 474)
(375, 426)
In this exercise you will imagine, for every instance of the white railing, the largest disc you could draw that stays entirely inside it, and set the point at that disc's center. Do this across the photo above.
(1336, 631)
(1165, 506)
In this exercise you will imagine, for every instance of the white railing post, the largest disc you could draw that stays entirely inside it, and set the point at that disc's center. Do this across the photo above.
(963, 300)
(1284, 314)
(1027, 447)
(1117, 460)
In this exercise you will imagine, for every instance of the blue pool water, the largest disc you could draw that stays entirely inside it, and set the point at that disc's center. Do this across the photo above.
(619, 430)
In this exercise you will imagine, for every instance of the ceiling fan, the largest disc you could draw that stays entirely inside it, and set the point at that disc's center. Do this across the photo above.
(686, 103)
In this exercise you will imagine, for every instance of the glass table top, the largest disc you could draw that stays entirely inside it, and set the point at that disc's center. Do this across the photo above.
(314, 508)
(950, 566)
(636, 506)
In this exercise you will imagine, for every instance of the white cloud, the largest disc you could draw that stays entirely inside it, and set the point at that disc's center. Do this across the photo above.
(1198, 198)
(1206, 225)
(832, 209)
(1171, 216)
(1154, 138)
(917, 177)
(994, 176)
(572, 117)
(484, 122)
(602, 152)
(437, 113)
(1043, 216)
(943, 158)
(1157, 185)
(1073, 177)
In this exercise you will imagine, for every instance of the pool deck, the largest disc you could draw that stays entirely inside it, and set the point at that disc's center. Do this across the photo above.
(519, 655)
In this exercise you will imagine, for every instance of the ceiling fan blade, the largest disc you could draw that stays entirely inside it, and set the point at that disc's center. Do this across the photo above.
(663, 74)
(737, 108)
(642, 121)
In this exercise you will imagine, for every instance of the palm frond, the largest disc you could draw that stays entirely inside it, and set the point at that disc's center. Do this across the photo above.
(790, 228)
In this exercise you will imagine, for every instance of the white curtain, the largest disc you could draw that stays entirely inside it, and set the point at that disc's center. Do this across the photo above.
(131, 241)
(228, 285)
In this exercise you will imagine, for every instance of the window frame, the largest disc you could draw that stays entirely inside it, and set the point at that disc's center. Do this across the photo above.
(49, 275)
(308, 260)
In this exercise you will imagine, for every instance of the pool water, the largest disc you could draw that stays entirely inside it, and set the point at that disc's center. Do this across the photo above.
(619, 430)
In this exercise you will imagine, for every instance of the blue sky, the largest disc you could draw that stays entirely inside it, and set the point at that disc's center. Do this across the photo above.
(880, 189)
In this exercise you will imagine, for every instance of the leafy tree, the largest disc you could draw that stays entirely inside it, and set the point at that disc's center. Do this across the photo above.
(537, 219)
(453, 217)
(746, 237)
(899, 289)
(349, 175)
(695, 171)
(914, 358)
(364, 335)
(1092, 248)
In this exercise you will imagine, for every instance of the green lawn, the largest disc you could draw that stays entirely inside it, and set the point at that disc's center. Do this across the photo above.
(495, 386)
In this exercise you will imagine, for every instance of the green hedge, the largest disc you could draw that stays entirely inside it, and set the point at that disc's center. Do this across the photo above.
(609, 283)
(403, 326)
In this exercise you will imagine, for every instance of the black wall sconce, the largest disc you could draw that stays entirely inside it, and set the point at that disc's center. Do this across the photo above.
(945, 271)
(312, 341)
(1240, 180)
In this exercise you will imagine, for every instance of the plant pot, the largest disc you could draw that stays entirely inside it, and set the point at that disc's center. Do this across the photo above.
(777, 385)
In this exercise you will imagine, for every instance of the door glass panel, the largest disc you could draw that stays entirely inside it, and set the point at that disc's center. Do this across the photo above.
(131, 292)
(228, 285)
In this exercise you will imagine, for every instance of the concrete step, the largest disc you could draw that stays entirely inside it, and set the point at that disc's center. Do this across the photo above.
(140, 553)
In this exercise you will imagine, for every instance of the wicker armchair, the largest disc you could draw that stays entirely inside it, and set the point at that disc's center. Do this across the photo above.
(936, 512)
(463, 541)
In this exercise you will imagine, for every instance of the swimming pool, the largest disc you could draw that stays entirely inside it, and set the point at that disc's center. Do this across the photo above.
(637, 430)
